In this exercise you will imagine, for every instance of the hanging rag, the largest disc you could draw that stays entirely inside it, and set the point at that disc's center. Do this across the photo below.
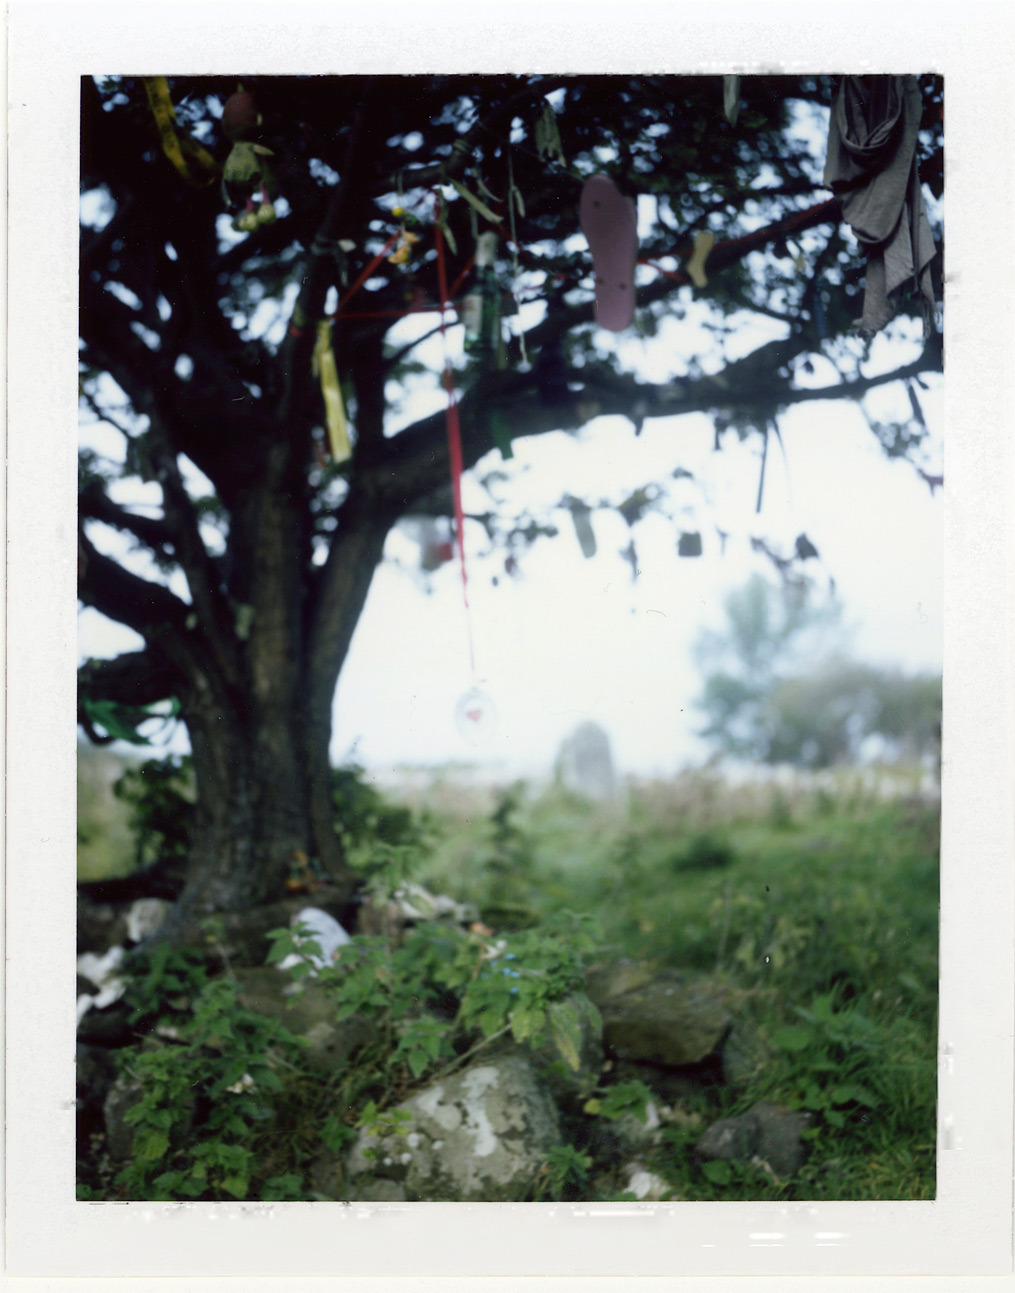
(871, 167)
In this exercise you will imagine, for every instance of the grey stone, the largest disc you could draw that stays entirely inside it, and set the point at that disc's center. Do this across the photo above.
(108, 1027)
(306, 1010)
(743, 1055)
(765, 1135)
(672, 1020)
(628, 1136)
(377, 1189)
(480, 1135)
(100, 926)
(245, 933)
(122, 1096)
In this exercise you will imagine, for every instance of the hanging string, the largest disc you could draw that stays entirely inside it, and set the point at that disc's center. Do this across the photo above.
(454, 429)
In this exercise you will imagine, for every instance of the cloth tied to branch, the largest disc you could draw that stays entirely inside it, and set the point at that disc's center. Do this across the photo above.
(871, 167)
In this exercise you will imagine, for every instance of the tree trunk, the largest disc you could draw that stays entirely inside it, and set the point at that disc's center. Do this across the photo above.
(260, 749)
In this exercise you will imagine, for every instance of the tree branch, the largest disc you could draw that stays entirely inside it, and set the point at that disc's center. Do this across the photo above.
(416, 462)
(147, 608)
(198, 567)
(134, 678)
(94, 504)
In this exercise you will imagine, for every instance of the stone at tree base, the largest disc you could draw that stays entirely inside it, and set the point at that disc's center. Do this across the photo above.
(99, 926)
(645, 1185)
(245, 940)
(765, 1134)
(108, 1027)
(377, 1189)
(614, 1140)
(479, 1136)
(306, 1010)
(122, 1096)
(95, 1075)
(673, 1020)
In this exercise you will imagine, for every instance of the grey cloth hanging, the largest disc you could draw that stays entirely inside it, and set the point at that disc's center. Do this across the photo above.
(871, 167)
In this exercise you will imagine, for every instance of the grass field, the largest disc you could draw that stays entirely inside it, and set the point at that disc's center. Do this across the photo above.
(816, 904)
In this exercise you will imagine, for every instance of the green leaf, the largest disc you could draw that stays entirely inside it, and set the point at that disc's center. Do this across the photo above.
(475, 202)
(236, 1185)
(792, 1038)
(718, 1172)
(449, 237)
(565, 1029)
(500, 429)
(821, 1007)
(835, 1117)
(150, 1143)
(526, 1021)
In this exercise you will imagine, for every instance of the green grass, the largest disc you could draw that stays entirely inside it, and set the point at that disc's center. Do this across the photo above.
(786, 896)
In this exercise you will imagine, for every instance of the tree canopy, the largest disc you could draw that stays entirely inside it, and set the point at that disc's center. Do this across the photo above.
(250, 255)
(779, 687)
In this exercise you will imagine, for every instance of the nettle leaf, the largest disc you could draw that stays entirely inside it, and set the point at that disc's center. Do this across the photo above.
(417, 1062)
(526, 1021)
(719, 1172)
(474, 202)
(791, 1038)
(565, 1029)
(236, 1186)
(150, 1143)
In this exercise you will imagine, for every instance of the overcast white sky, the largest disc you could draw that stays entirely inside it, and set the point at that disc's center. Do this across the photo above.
(571, 639)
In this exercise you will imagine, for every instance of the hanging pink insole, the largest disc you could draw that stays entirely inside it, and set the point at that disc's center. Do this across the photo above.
(609, 222)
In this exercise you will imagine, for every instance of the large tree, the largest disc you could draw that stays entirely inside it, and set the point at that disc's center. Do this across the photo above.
(200, 304)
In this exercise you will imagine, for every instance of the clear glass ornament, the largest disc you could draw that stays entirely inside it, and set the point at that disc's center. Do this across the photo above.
(476, 717)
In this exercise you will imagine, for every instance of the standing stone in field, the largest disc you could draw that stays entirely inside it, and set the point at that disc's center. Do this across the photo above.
(585, 763)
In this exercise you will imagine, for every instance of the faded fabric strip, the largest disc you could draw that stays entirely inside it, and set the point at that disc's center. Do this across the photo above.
(871, 167)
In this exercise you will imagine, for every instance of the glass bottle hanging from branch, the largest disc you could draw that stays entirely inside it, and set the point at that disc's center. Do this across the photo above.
(481, 307)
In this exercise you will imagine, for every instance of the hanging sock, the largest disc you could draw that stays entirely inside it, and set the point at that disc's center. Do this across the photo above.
(703, 244)
(871, 167)
(609, 221)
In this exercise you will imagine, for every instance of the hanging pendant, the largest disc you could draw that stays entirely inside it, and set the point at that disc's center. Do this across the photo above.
(476, 717)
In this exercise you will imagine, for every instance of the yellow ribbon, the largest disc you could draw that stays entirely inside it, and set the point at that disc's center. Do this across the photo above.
(324, 366)
(157, 89)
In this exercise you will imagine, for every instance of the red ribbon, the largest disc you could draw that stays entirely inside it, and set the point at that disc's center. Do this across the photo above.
(454, 428)
(369, 269)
